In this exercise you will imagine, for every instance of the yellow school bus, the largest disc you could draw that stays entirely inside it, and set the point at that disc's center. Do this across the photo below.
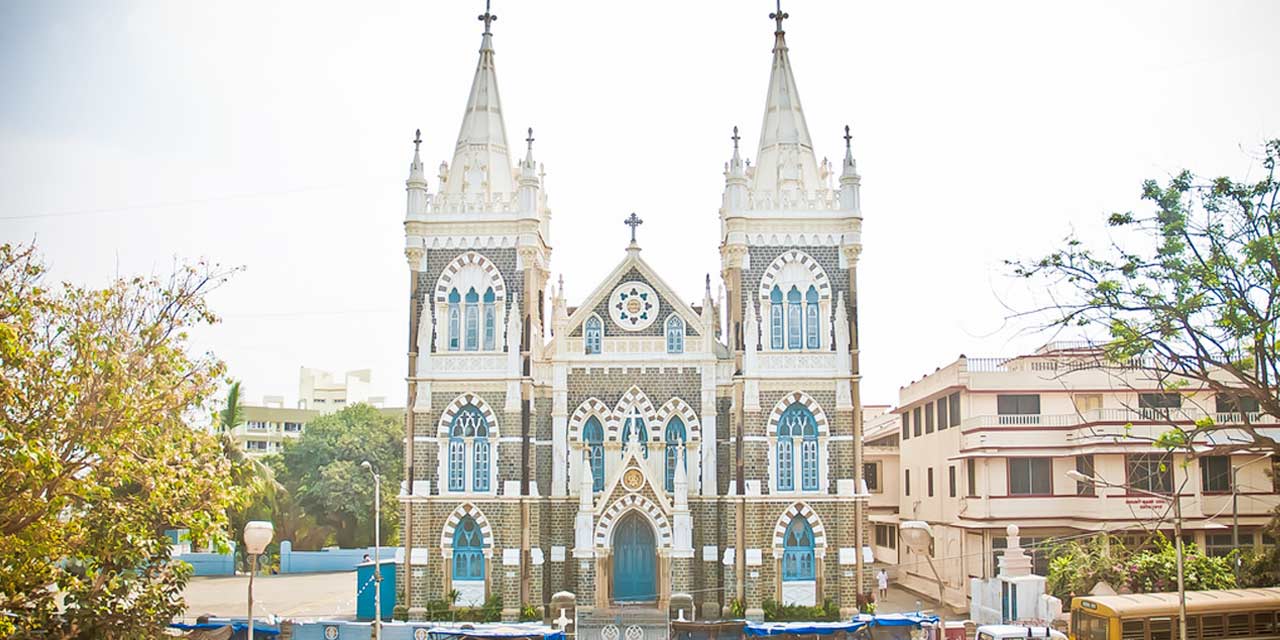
(1248, 614)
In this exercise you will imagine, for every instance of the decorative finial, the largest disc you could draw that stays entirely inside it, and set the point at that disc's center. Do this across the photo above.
(735, 138)
(530, 138)
(779, 16)
(847, 139)
(417, 139)
(488, 18)
(633, 221)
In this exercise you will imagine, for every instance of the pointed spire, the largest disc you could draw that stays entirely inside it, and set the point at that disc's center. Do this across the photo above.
(528, 157)
(785, 160)
(416, 185)
(586, 484)
(481, 163)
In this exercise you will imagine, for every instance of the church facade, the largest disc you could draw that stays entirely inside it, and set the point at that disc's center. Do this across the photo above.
(634, 446)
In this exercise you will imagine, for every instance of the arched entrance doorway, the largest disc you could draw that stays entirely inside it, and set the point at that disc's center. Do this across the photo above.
(799, 585)
(468, 563)
(634, 560)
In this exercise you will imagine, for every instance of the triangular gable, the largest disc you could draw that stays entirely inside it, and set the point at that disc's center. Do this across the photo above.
(633, 263)
(614, 489)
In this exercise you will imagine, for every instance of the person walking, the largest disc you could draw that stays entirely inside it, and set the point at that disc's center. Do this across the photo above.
(882, 581)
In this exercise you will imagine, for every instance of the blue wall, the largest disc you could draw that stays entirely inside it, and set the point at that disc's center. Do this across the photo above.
(211, 564)
(365, 590)
(355, 630)
(329, 560)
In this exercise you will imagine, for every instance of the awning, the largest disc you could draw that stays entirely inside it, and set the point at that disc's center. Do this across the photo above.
(805, 628)
(236, 627)
(511, 631)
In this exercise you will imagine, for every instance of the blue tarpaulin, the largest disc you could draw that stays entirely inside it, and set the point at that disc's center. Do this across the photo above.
(236, 627)
(807, 628)
(899, 619)
(495, 631)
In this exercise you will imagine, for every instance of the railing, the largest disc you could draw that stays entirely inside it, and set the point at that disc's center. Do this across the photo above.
(1050, 364)
(1121, 415)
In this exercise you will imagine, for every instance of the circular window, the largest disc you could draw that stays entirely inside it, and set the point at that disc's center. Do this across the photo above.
(633, 306)
(633, 479)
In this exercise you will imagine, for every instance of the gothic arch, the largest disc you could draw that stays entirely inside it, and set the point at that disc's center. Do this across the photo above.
(633, 502)
(451, 524)
(633, 398)
(802, 510)
(589, 407)
(678, 407)
(817, 275)
(492, 276)
(446, 418)
(812, 405)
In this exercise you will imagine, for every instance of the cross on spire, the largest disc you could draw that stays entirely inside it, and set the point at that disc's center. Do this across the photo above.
(489, 18)
(633, 221)
(735, 137)
(417, 139)
(779, 16)
(848, 139)
(530, 138)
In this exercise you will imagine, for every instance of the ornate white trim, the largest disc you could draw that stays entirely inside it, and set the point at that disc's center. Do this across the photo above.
(628, 503)
(462, 261)
(634, 397)
(451, 524)
(784, 520)
(812, 405)
(446, 418)
(589, 407)
(808, 262)
(678, 407)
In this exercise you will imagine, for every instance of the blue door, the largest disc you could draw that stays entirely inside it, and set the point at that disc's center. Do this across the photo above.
(634, 560)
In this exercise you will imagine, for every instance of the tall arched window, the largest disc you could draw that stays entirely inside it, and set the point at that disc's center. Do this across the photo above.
(797, 551)
(797, 428)
(675, 436)
(455, 323)
(591, 333)
(472, 318)
(811, 317)
(593, 435)
(775, 318)
(675, 334)
(469, 429)
(794, 319)
(468, 550)
(490, 320)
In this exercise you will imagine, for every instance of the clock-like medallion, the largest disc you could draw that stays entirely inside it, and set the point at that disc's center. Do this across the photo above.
(633, 306)
(633, 479)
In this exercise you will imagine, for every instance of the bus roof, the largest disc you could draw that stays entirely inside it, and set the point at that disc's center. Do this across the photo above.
(1148, 604)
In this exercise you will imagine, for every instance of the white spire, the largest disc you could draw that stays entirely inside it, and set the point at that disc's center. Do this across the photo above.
(416, 185)
(481, 163)
(785, 160)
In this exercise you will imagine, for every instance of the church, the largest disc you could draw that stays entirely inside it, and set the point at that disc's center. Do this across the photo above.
(634, 445)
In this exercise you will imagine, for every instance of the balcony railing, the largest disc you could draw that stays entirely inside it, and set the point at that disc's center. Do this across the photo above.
(1048, 364)
(1120, 415)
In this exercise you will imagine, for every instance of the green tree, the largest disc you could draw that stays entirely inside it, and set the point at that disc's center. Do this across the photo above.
(261, 494)
(96, 457)
(1076, 567)
(1188, 292)
(322, 471)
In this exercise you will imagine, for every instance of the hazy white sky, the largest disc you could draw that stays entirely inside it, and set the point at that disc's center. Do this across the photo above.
(275, 135)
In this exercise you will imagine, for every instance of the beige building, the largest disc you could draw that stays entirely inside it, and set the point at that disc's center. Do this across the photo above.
(880, 472)
(983, 443)
(322, 391)
(268, 425)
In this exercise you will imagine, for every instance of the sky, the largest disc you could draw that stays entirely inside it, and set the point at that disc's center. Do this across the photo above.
(275, 136)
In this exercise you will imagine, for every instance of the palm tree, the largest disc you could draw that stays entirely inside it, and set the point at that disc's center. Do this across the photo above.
(261, 493)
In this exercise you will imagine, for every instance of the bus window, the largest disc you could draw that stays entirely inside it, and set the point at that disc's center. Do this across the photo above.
(1161, 628)
(1193, 626)
(986, 636)
(1238, 625)
(1132, 630)
(1213, 627)
(1263, 624)
(1088, 627)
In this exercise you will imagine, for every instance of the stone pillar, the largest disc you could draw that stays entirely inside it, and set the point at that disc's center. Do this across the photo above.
(564, 613)
(414, 257)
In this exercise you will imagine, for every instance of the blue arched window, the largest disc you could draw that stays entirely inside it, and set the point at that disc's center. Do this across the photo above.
(633, 428)
(797, 428)
(675, 334)
(591, 333)
(455, 324)
(490, 320)
(472, 318)
(675, 437)
(775, 318)
(794, 319)
(797, 551)
(593, 434)
(811, 318)
(469, 427)
(468, 550)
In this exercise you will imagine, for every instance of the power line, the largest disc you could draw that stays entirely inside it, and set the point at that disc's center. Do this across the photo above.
(171, 204)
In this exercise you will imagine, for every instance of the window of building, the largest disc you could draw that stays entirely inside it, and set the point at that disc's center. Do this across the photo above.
(886, 536)
(951, 480)
(1150, 472)
(471, 317)
(593, 434)
(871, 475)
(255, 445)
(916, 421)
(469, 430)
(906, 425)
(797, 428)
(929, 480)
(1018, 408)
(257, 425)
(1228, 403)
(1030, 476)
(811, 318)
(1084, 464)
(944, 420)
(455, 320)
(795, 323)
(675, 437)
(797, 551)
(1215, 474)
(468, 551)
(954, 401)
(292, 427)
(490, 320)
(1158, 406)
(775, 318)
(1219, 544)
(928, 417)
(971, 470)
(592, 332)
(906, 481)
(1087, 404)
(675, 334)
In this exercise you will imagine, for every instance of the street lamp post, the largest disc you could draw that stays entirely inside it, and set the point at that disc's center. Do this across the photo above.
(377, 547)
(917, 535)
(257, 535)
(1176, 500)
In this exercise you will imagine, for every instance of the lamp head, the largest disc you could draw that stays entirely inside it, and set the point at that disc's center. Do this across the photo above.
(257, 535)
(366, 465)
(916, 534)
(1080, 477)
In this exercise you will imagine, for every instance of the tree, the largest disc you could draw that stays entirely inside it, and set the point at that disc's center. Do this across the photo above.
(261, 494)
(1076, 567)
(1187, 293)
(322, 471)
(96, 457)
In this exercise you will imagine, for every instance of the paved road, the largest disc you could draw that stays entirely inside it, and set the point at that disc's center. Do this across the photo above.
(303, 595)
(900, 600)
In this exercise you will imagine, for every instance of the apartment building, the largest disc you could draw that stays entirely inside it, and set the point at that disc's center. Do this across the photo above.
(268, 425)
(325, 392)
(880, 450)
(987, 442)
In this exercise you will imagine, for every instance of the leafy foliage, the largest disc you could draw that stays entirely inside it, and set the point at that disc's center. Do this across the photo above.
(1262, 568)
(1188, 292)
(96, 458)
(322, 471)
(1076, 567)
(776, 612)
